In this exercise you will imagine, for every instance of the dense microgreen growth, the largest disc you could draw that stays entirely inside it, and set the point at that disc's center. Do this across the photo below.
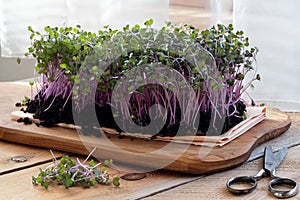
(63, 48)
(234, 58)
(69, 172)
(59, 53)
(86, 67)
(134, 52)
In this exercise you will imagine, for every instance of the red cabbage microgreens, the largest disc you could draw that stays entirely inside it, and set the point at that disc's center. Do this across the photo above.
(233, 58)
(59, 54)
(73, 65)
(135, 47)
(69, 172)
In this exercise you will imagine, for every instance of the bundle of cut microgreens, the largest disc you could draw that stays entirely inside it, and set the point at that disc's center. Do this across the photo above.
(69, 172)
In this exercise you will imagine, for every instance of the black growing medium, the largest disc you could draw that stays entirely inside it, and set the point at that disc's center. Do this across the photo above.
(50, 116)
(61, 63)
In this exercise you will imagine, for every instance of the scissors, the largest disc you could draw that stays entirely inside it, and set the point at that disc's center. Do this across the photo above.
(271, 162)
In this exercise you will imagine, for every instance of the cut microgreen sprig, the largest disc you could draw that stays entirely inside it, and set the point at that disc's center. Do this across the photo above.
(69, 172)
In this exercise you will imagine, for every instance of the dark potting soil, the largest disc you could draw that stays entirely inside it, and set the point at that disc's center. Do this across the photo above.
(53, 111)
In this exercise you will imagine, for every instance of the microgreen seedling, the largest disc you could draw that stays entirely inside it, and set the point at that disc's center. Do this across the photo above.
(31, 83)
(25, 101)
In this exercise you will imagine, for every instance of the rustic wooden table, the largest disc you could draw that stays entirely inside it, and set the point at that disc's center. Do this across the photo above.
(15, 177)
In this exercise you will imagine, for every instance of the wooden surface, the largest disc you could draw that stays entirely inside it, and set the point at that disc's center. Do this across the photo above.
(33, 156)
(213, 186)
(140, 152)
(16, 184)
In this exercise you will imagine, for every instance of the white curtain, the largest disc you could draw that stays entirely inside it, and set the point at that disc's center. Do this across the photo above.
(16, 16)
(273, 26)
(221, 11)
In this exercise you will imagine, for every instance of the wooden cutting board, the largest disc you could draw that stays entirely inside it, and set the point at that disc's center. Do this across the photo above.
(138, 152)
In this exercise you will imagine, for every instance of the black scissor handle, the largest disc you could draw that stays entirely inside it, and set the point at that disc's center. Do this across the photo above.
(283, 182)
(249, 180)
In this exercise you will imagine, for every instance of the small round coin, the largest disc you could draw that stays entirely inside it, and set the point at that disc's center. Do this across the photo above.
(133, 176)
(19, 159)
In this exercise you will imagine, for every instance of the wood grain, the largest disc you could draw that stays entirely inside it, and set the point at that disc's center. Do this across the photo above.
(18, 185)
(213, 186)
(33, 155)
(151, 154)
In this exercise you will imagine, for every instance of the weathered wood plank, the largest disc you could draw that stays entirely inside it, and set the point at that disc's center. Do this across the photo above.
(18, 185)
(290, 138)
(213, 186)
(33, 155)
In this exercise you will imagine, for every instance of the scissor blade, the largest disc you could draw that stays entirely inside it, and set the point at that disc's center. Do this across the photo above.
(280, 155)
(273, 160)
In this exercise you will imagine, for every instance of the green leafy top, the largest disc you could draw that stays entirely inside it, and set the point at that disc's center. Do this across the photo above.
(63, 48)
(229, 48)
